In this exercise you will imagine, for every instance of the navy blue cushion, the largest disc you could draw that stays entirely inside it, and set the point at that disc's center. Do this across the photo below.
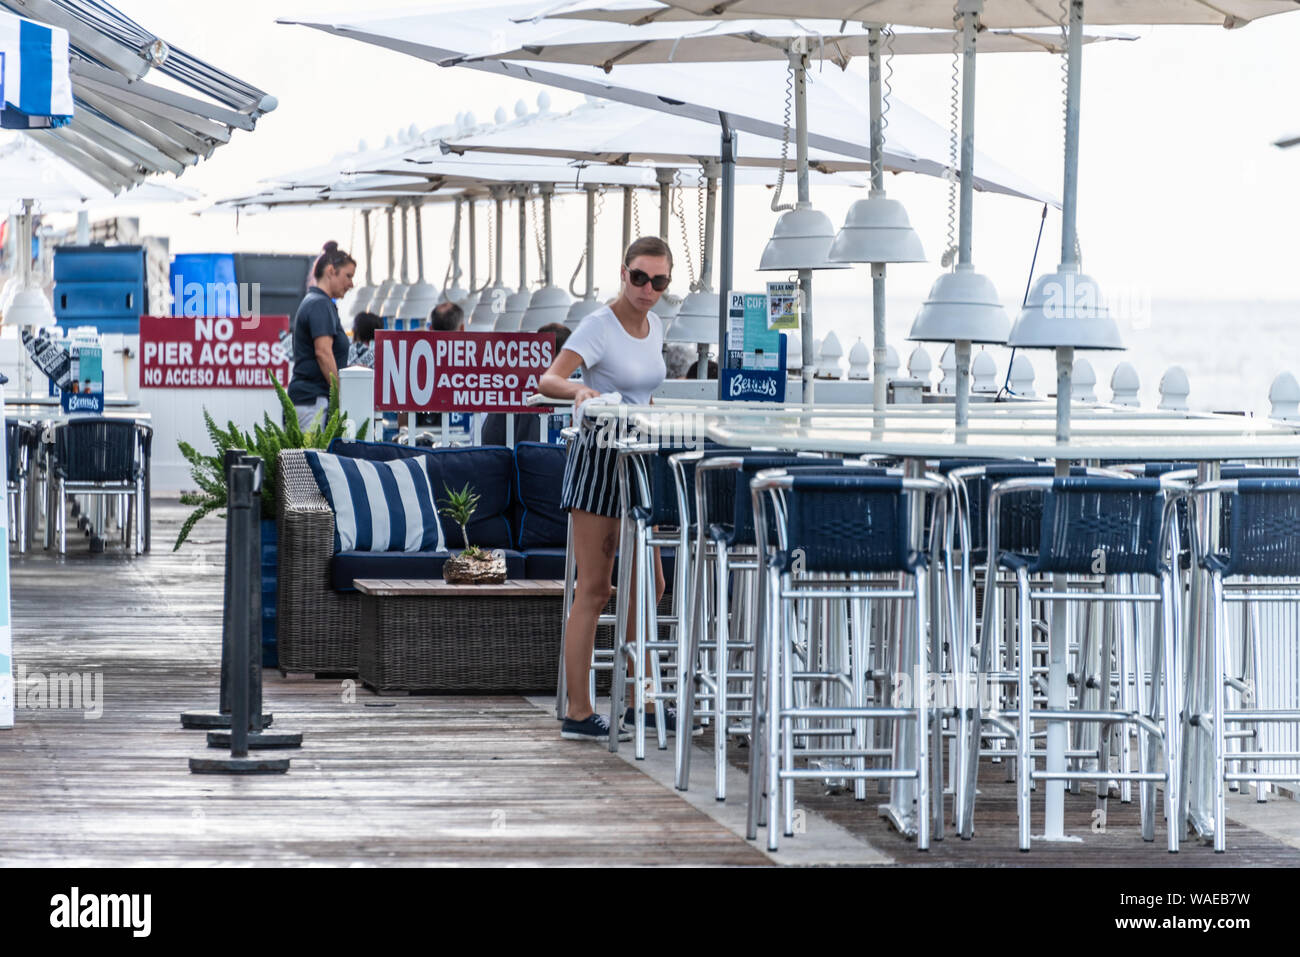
(346, 567)
(488, 469)
(539, 477)
(544, 563)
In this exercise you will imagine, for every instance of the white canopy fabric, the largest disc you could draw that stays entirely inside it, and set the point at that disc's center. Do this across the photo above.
(935, 13)
(609, 45)
(605, 132)
(28, 171)
(749, 93)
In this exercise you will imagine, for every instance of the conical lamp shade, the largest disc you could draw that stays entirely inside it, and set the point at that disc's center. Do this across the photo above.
(667, 307)
(486, 311)
(962, 305)
(697, 320)
(388, 308)
(548, 304)
(455, 294)
(877, 230)
(516, 306)
(801, 240)
(469, 306)
(420, 299)
(1065, 308)
(29, 308)
(580, 310)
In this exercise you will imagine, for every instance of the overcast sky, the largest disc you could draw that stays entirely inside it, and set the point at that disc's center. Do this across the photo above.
(1182, 194)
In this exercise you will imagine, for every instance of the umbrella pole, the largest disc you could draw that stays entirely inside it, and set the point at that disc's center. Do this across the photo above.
(727, 155)
(880, 354)
(365, 226)
(392, 249)
(627, 218)
(591, 243)
(799, 59)
(665, 178)
(706, 254)
(522, 193)
(547, 190)
(970, 11)
(455, 243)
(23, 252)
(473, 248)
(499, 194)
(406, 274)
(1069, 200)
(419, 241)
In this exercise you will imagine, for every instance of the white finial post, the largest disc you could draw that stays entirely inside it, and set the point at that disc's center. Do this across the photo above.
(1124, 384)
(983, 373)
(892, 363)
(1021, 378)
(920, 365)
(793, 352)
(859, 361)
(828, 365)
(1174, 389)
(1083, 382)
(1284, 397)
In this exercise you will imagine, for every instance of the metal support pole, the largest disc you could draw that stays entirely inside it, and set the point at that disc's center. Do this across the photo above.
(548, 260)
(473, 248)
(392, 249)
(365, 226)
(727, 155)
(799, 59)
(627, 218)
(590, 292)
(970, 12)
(499, 194)
(665, 179)
(1073, 78)
(879, 352)
(406, 275)
(419, 240)
(961, 352)
(522, 193)
(455, 243)
(711, 173)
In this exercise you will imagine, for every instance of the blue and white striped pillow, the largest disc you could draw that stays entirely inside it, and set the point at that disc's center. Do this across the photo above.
(378, 506)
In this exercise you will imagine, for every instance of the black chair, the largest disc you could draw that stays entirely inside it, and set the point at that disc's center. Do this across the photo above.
(101, 456)
(20, 444)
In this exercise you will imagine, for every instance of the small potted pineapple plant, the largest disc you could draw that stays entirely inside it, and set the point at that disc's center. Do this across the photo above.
(474, 565)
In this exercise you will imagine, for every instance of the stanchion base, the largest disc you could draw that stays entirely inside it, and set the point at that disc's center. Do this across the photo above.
(202, 720)
(230, 765)
(258, 740)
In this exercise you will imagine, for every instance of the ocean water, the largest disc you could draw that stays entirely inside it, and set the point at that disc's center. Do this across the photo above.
(1231, 350)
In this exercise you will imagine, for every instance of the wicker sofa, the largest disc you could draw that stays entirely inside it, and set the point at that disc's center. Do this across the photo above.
(319, 610)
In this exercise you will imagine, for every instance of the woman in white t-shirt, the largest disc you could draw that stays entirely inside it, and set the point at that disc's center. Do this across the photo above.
(620, 349)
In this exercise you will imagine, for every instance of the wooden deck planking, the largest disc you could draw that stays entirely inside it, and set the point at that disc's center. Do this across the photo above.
(425, 780)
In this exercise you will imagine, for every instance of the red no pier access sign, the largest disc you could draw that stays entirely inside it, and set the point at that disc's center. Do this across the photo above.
(179, 352)
(418, 371)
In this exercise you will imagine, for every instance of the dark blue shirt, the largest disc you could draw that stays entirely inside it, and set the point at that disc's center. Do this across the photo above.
(317, 316)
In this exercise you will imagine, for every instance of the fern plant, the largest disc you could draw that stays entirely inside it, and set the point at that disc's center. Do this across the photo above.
(460, 508)
(266, 441)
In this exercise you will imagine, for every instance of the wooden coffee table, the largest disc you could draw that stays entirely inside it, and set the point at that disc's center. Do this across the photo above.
(427, 635)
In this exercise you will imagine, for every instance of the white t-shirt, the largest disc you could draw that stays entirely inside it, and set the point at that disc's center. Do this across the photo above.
(613, 361)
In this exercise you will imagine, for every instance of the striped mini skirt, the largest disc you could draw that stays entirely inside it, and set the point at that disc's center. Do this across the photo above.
(591, 474)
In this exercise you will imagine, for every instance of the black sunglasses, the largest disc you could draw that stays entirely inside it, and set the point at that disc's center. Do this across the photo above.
(639, 277)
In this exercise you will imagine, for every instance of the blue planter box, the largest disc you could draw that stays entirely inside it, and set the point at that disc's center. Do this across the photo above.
(270, 582)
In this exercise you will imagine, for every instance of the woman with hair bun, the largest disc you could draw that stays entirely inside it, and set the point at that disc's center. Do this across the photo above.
(320, 346)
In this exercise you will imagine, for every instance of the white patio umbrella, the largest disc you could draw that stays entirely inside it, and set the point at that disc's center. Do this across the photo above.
(922, 13)
(803, 237)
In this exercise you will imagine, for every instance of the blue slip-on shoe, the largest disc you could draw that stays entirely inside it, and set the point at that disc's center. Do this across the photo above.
(594, 727)
(628, 724)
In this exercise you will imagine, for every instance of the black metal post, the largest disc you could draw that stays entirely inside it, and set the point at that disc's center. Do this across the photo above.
(727, 155)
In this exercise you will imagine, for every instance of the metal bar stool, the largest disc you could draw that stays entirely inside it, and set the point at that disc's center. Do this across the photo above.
(20, 446)
(1263, 548)
(836, 537)
(99, 456)
(1099, 527)
(725, 546)
(651, 519)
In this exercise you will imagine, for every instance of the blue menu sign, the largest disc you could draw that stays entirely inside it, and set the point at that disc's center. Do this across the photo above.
(755, 355)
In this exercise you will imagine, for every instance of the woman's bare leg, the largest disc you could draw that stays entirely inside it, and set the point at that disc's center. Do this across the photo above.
(595, 543)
